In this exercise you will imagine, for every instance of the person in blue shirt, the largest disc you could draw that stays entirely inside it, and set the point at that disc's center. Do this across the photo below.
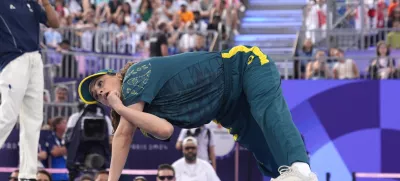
(21, 77)
(239, 87)
(56, 147)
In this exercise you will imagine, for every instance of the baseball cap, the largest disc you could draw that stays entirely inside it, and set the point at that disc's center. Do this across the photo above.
(189, 139)
(83, 89)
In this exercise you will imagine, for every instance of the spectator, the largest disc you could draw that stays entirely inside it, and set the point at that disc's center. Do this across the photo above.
(188, 40)
(344, 68)
(198, 23)
(113, 7)
(56, 148)
(395, 16)
(200, 43)
(159, 42)
(393, 4)
(176, 22)
(193, 5)
(140, 178)
(316, 21)
(109, 24)
(146, 10)
(206, 7)
(318, 69)
(218, 26)
(140, 25)
(332, 54)
(165, 172)
(126, 11)
(43, 175)
(101, 176)
(205, 138)
(58, 109)
(13, 176)
(184, 14)
(382, 67)
(135, 4)
(191, 168)
(75, 9)
(69, 65)
(167, 11)
(303, 56)
(52, 38)
(393, 38)
(61, 94)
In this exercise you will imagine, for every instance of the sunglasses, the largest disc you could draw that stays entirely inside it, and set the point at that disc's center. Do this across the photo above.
(190, 148)
(12, 179)
(166, 177)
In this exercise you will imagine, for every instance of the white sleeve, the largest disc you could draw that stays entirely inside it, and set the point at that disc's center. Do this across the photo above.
(178, 173)
(73, 119)
(211, 174)
(182, 134)
(109, 125)
(335, 66)
(212, 137)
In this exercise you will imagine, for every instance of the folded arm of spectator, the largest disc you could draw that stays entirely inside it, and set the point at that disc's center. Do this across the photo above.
(57, 151)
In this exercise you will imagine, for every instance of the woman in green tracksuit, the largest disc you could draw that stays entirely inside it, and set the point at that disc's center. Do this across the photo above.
(238, 87)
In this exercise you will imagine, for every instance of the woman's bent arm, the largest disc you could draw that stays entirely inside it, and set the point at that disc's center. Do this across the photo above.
(158, 127)
(120, 148)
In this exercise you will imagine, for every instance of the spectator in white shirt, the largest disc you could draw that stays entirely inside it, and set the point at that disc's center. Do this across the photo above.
(189, 168)
(188, 40)
(344, 68)
(206, 143)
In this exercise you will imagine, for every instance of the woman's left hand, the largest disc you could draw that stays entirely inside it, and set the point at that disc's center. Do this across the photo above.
(114, 99)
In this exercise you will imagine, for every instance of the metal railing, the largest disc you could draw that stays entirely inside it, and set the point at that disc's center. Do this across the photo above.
(77, 65)
(365, 67)
(52, 110)
(348, 38)
(100, 40)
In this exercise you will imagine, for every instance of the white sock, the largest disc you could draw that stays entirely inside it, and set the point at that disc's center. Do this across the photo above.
(303, 168)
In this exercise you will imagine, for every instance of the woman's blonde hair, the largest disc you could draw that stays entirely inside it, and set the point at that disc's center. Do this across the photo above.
(115, 117)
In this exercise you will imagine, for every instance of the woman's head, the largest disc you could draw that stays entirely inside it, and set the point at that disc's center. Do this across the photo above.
(126, 8)
(382, 49)
(307, 44)
(95, 88)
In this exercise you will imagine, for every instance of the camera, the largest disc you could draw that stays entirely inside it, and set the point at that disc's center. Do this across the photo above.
(87, 142)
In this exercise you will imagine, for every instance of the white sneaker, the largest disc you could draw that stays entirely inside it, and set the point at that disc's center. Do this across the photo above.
(292, 174)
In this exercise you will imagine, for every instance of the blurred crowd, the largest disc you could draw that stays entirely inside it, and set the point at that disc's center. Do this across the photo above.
(379, 29)
(314, 63)
(132, 26)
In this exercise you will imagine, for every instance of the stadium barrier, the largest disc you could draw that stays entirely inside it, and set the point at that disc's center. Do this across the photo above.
(364, 175)
(128, 42)
(67, 66)
(58, 170)
(52, 110)
(350, 38)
